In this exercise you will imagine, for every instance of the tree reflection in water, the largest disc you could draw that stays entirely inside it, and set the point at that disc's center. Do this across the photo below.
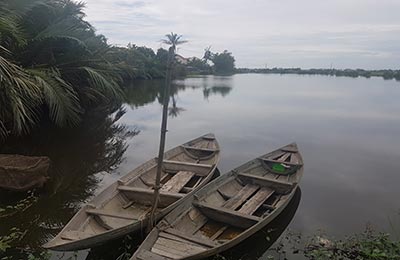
(142, 92)
(77, 154)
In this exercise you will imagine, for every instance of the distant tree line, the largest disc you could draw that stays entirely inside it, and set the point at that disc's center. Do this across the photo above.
(386, 74)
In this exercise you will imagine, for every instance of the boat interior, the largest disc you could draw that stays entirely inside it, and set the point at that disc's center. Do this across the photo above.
(130, 200)
(227, 209)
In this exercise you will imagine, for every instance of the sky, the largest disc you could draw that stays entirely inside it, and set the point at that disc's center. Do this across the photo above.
(261, 33)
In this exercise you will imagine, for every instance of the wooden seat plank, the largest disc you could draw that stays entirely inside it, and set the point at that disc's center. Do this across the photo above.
(228, 216)
(256, 201)
(145, 196)
(198, 168)
(109, 214)
(199, 149)
(240, 197)
(278, 186)
(177, 182)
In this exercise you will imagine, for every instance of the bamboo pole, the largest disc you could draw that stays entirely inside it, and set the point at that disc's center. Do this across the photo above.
(160, 158)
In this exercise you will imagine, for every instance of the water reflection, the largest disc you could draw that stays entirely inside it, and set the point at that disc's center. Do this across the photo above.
(174, 110)
(221, 90)
(143, 92)
(98, 144)
(216, 85)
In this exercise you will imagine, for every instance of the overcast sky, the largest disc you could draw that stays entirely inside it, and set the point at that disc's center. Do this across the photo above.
(259, 33)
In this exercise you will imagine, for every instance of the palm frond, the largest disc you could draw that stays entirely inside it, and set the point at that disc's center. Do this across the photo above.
(97, 80)
(61, 98)
(20, 97)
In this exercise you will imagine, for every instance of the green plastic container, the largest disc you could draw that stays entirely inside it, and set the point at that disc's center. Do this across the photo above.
(277, 167)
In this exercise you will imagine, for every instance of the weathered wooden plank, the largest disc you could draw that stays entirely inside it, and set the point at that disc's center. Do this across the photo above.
(164, 253)
(147, 255)
(106, 213)
(228, 216)
(294, 159)
(180, 248)
(278, 186)
(218, 233)
(256, 201)
(240, 197)
(179, 239)
(277, 155)
(283, 157)
(145, 196)
(199, 149)
(230, 189)
(168, 247)
(290, 148)
(198, 168)
(195, 239)
(177, 182)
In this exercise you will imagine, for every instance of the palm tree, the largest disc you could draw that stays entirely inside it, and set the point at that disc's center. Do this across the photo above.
(173, 39)
(51, 64)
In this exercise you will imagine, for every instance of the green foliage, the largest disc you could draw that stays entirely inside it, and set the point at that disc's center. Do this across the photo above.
(7, 241)
(224, 63)
(144, 62)
(368, 245)
(19, 206)
(52, 65)
(198, 66)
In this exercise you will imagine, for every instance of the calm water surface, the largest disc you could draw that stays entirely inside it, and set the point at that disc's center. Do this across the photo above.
(346, 129)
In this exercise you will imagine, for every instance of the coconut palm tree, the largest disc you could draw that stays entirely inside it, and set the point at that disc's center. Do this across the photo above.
(173, 40)
(51, 65)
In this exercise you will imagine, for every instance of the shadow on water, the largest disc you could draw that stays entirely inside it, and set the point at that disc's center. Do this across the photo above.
(252, 248)
(97, 144)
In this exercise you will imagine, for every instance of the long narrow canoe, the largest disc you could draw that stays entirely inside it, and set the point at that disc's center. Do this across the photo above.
(124, 206)
(227, 210)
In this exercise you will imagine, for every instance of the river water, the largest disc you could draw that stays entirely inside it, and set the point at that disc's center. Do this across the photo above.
(346, 128)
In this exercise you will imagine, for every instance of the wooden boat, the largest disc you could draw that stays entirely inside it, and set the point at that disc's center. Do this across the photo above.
(124, 206)
(22, 173)
(227, 210)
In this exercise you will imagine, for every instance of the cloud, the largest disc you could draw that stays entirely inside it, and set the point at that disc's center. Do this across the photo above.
(310, 33)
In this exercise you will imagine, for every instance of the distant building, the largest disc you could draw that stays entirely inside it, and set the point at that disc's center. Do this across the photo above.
(183, 60)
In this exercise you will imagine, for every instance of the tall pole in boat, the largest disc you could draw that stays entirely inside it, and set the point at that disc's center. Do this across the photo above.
(173, 40)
